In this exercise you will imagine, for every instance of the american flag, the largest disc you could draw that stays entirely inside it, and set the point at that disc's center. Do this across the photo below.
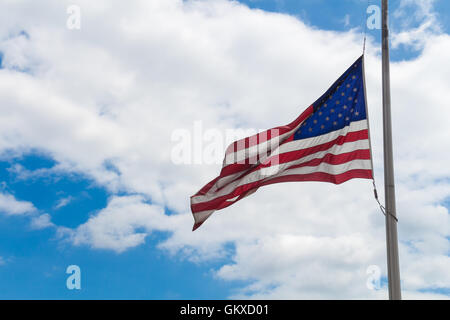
(328, 142)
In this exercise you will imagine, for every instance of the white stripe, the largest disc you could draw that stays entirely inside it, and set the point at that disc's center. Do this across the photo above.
(334, 149)
(202, 216)
(261, 174)
(324, 167)
(261, 149)
(328, 168)
(314, 141)
(298, 145)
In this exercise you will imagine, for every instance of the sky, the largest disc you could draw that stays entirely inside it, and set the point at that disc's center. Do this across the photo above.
(91, 116)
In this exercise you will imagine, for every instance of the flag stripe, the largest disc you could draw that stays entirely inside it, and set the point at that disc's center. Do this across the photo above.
(322, 139)
(261, 138)
(254, 177)
(323, 176)
(300, 144)
(351, 141)
(200, 217)
(311, 166)
(337, 146)
(221, 202)
(343, 144)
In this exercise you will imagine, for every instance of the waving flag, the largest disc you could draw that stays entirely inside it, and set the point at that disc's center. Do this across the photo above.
(328, 142)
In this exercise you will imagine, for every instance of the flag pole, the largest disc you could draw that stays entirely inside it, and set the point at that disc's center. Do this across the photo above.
(389, 188)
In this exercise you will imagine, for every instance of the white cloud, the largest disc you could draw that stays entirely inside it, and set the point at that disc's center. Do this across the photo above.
(41, 222)
(11, 206)
(63, 202)
(116, 226)
(112, 93)
(423, 15)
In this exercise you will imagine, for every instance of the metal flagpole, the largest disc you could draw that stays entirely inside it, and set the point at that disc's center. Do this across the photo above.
(389, 188)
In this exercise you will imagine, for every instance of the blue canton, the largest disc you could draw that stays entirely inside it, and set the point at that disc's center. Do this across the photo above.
(343, 103)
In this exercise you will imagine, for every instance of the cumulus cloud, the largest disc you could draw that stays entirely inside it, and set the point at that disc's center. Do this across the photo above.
(41, 222)
(117, 226)
(104, 100)
(419, 22)
(11, 206)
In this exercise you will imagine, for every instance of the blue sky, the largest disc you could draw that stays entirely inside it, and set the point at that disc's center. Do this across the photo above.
(37, 262)
(332, 15)
(33, 260)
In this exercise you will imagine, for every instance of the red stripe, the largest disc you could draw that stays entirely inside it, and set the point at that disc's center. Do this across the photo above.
(316, 176)
(363, 154)
(236, 168)
(197, 225)
(324, 177)
(260, 138)
(298, 154)
(335, 159)
(221, 202)
(290, 156)
(268, 134)
(207, 187)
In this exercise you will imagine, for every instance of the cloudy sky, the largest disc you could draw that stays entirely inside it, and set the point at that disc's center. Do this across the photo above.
(90, 118)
